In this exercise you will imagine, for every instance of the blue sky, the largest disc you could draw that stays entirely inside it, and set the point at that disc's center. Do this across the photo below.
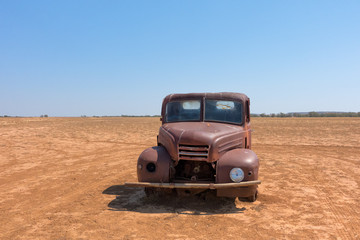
(72, 58)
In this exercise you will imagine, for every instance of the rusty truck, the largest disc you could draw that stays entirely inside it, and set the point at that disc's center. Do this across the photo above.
(204, 144)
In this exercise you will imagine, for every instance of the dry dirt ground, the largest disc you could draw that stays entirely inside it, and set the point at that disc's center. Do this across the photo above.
(62, 178)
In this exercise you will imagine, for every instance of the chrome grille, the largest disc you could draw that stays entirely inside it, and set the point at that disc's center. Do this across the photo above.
(193, 152)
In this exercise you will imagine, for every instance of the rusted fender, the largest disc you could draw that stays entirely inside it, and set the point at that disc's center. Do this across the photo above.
(161, 160)
(240, 158)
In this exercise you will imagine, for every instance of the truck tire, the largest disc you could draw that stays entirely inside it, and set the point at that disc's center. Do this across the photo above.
(253, 197)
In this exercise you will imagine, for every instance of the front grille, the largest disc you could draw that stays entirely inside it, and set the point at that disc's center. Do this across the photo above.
(193, 152)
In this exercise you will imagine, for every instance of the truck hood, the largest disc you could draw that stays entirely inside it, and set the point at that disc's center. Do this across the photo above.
(200, 133)
(219, 137)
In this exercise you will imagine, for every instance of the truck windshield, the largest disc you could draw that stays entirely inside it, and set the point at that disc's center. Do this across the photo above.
(183, 111)
(223, 111)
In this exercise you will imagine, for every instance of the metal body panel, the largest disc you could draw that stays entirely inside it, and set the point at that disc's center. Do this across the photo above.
(245, 159)
(162, 161)
(241, 158)
(219, 137)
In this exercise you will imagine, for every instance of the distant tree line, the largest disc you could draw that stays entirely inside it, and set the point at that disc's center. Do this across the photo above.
(309, 114)
(140, 116)
(281, 115)
(42, 116)
(95, 116)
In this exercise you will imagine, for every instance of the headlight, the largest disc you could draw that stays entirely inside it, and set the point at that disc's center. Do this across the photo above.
(151, 167)
(237, 175)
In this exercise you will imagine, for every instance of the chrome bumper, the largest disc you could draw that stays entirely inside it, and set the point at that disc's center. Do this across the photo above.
(193, 185)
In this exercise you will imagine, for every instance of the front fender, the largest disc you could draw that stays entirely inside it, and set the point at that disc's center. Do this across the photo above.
(161, 160)
(242, 158)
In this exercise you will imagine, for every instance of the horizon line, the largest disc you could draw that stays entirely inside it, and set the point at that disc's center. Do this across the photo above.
(157, 115)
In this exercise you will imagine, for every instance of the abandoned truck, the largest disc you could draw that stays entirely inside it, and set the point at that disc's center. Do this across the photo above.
(204, 143)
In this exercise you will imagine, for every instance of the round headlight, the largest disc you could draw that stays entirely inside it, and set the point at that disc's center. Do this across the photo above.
(151, 167)
(237, 175)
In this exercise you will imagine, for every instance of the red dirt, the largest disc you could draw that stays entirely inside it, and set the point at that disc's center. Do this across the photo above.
(62, 178)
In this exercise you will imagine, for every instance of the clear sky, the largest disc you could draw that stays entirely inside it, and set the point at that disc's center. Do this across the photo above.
(72, 58)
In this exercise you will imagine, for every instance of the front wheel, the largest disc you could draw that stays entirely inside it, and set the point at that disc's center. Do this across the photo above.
(253, 197)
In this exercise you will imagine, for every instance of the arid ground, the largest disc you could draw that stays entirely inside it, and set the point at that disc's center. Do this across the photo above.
(63, 178)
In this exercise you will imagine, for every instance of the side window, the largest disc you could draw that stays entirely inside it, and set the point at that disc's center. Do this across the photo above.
(248, 110)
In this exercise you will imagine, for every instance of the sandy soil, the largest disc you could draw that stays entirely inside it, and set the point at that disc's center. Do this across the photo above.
(62, 178)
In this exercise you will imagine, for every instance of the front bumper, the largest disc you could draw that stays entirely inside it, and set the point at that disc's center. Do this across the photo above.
(194, 185)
